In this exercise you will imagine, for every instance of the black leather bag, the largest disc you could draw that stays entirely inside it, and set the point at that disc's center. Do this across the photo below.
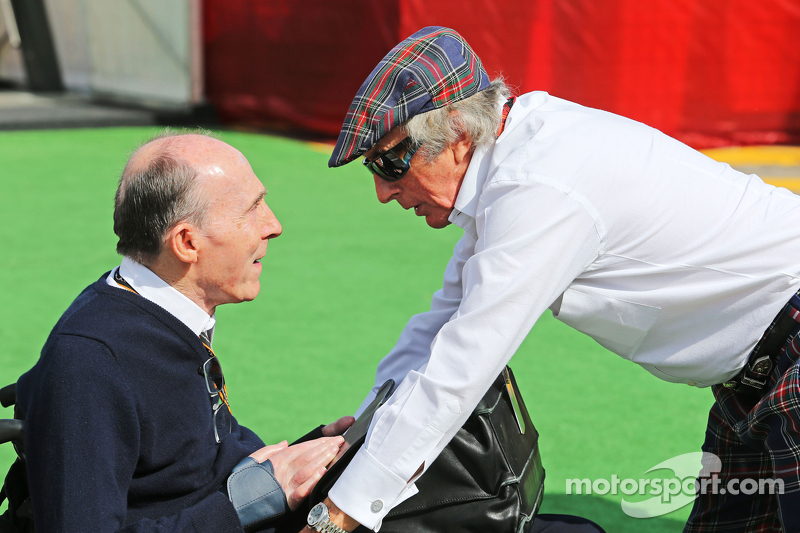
(488, 479)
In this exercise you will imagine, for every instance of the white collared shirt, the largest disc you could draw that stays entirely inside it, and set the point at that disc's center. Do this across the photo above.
(150, 286)
(667, 258)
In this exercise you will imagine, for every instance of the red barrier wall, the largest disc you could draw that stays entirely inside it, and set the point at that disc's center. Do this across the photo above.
(710, 72)
(292, 63)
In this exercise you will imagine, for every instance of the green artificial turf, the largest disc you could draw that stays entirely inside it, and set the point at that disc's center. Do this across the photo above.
(337, 288)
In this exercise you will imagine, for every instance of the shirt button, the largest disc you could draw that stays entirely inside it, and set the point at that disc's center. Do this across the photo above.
(376, 506)
(691, 383)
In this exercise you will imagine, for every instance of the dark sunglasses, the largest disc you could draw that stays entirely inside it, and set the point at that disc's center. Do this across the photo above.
(392, 164)
(221, 409)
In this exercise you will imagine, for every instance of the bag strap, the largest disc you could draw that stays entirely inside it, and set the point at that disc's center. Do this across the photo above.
(520, 411)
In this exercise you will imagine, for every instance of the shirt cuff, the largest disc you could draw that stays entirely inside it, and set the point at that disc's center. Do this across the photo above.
(366, 491)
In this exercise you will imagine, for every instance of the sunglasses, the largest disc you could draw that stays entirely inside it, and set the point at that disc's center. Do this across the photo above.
(221, 409)
(392, 164)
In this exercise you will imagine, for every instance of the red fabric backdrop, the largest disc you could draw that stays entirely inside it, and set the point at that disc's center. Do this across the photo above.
(710, 72)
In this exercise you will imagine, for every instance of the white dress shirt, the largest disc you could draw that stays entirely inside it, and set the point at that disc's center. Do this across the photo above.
(150, 286)
(662, 255)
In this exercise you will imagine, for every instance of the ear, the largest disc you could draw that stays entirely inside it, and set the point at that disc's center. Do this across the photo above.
(461, 148)
(182, 241)
(463, 144)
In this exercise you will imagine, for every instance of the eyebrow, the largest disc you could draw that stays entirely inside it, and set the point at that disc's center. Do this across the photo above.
(260, 197)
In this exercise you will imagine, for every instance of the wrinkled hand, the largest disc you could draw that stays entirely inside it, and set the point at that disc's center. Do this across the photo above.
(299, 467)
(338, 427)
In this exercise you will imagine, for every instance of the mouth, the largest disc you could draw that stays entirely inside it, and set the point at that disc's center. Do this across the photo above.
(416, 208)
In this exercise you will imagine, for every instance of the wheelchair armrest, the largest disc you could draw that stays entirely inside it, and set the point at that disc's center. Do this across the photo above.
(10, 430)
(8, 395)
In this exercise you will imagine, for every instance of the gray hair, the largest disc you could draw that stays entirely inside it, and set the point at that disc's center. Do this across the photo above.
(156, 197)
(476, 117)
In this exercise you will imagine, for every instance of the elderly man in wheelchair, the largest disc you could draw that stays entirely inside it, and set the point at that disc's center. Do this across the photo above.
(127, 425)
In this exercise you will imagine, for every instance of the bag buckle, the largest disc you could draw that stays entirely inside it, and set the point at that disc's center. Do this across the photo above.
(758, 372)
(754, 375)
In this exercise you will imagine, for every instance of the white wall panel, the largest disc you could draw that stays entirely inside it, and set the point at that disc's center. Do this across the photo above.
(142, 51)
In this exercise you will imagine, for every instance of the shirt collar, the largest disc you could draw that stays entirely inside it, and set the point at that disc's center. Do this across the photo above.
(161, 293)
(466, 206)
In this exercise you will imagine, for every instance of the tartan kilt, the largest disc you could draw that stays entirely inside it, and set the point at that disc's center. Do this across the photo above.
(755, 438)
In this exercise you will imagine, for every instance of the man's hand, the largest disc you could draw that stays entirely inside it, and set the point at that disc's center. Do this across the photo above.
(338, 427)
(299, 467)
(337, 517)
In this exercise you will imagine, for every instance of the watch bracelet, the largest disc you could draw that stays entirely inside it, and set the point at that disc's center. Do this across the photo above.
(330, 527)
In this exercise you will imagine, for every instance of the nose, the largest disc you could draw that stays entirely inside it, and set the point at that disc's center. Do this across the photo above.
(386, 190)
(270, 227)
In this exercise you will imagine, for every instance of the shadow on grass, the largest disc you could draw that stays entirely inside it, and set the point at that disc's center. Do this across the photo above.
(608, 514)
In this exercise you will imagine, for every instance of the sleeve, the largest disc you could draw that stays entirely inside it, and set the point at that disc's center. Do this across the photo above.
(81, 443)
(534, 239)
(414, 346)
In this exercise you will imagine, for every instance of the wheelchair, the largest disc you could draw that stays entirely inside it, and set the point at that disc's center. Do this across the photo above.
(18, 518)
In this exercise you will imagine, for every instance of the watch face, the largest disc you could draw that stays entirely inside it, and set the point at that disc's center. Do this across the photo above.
(317, 514)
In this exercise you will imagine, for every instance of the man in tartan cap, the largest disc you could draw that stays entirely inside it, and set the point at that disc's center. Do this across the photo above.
(429, 70)
(665, 257)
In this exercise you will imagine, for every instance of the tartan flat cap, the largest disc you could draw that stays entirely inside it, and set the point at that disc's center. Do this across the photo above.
(431, 69)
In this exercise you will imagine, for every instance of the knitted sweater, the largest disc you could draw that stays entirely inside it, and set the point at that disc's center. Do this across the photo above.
(119, 433)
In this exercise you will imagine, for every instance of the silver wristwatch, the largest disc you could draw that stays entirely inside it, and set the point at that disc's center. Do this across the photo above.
(320, 519)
